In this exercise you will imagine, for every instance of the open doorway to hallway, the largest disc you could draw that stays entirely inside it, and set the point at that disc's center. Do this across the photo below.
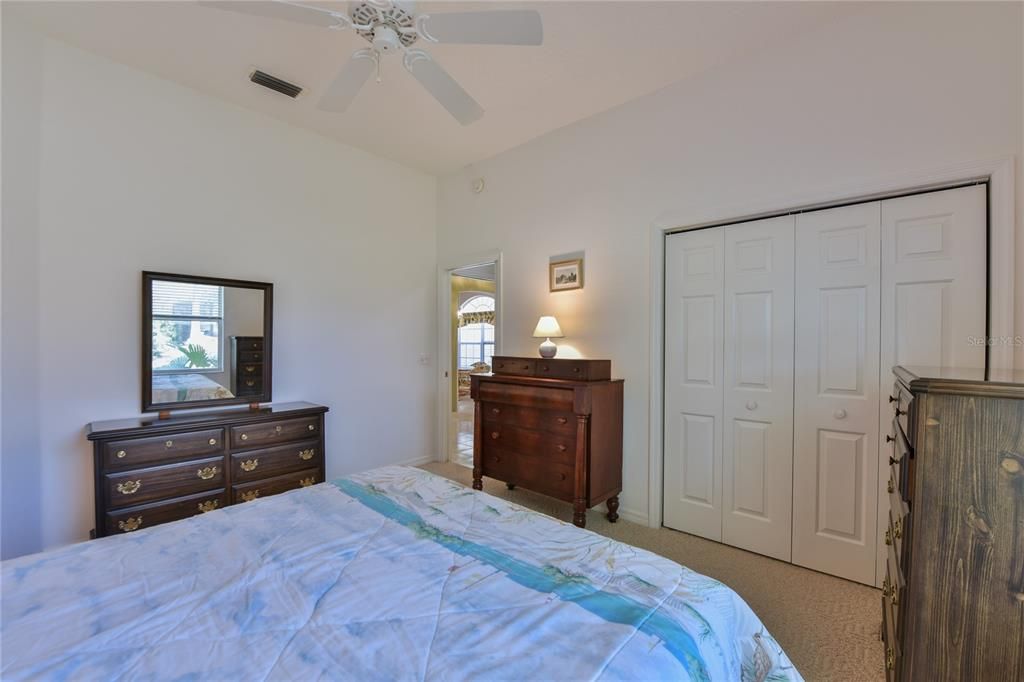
(473, 337)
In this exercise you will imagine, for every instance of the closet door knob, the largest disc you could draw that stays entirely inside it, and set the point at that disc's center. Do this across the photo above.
(839, 414)
(751, 405)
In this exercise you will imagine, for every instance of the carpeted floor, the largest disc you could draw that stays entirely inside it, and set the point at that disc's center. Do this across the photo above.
(828, 626)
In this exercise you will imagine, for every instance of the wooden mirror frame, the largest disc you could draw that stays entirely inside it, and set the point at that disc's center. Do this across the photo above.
(147, 335)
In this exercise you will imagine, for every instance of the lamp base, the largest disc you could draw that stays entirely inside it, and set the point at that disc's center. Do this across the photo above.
(547, 349)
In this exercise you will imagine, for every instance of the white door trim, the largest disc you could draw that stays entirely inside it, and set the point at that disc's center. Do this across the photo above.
(444, 342)
(1001, 209)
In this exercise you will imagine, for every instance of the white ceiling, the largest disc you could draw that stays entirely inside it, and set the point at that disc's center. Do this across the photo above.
(595, 56)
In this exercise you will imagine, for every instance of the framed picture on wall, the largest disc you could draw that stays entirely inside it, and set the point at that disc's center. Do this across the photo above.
(566, 274)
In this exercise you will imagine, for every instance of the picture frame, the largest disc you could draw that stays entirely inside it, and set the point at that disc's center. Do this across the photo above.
(565, 275)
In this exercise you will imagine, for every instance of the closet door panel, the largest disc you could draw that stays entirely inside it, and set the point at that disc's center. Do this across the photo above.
(693, 382)
(934, 292)
(757, 457)
(836, 429)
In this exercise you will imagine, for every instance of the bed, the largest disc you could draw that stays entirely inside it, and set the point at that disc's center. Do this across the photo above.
(393, 574)
(174, 388)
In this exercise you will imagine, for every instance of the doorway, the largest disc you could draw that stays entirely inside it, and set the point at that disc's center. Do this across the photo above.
(472, 340)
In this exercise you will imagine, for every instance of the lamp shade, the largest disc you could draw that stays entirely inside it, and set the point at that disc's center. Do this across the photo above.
(547, 328)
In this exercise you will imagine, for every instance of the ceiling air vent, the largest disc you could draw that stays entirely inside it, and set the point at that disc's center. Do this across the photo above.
(275, 84)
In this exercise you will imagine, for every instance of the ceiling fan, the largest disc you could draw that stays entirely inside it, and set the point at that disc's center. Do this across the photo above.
(392, 26)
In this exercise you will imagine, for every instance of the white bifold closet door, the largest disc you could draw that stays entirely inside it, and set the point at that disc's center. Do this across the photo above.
(729, 384)
(835, 491)
(934, 284)
(757, 453)
(694, 345)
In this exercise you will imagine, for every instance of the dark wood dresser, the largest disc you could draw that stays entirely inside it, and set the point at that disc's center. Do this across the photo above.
(953, 594)
(247, 366)
(551, 426)
(150, 471)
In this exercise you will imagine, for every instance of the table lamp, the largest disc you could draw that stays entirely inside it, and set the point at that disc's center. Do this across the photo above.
(547, 328)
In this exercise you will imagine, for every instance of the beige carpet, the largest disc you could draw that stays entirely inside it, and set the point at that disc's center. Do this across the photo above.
(828, 626)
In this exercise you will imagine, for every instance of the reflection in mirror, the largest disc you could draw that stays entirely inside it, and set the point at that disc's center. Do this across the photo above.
(195, 353)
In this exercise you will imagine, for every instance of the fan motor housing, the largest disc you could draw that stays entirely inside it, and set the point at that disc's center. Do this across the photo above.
(385, 39)
(398, 16)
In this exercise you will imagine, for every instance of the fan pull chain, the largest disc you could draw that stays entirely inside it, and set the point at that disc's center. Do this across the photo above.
(377, 60)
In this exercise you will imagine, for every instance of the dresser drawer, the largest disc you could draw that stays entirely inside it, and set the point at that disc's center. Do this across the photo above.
(892, 646)
(272, 433)
(172, 480)
(250, 356)
(514, 366)
(562, 423)
(249, 386)
(553, 478)
(250, 343)
(549, 446)
(252, 465)
(140, 452)
(581, 370)
(247, 492)
(155, 513)
(543, 398)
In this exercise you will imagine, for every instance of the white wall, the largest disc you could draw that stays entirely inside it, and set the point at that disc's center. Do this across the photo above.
(109, 171)
(896, 89)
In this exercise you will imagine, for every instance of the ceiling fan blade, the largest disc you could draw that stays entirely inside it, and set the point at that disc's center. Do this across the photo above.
(278, 9)
(442, 86)
(499, 27)
(346, 85)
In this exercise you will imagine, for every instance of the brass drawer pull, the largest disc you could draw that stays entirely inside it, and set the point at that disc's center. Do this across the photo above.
(121, 454)
(885, 586)
(576, 370)
(888, 538)
(250, 464)
(208, 506)
(889, 487)
(250, 369)
(562, 476)
(306, 454)
(495, 435)
(255, 345)
(245, 436)
(526, 367)
(897, 529)
(206, 473)
(890, 658)
(213, 441)
(496, 410)
(250, 383)
(561, 448)
(129, 487)
(277, 429)
(311, 428)
(306, 482)
(169, 444)
(562, 420)
(130, 524)
(250, 495)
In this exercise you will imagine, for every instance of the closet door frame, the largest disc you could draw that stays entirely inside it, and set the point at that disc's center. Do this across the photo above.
(998, 174)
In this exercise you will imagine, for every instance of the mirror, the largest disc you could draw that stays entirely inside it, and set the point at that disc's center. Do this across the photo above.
(206, 341)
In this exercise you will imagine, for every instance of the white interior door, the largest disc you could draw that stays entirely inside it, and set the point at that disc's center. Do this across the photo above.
(757, 456)
(836, 391)
(693, 382)
(934, 292)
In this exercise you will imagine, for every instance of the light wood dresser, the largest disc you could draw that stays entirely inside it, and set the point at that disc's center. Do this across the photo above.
(150, 471)
(953, 594)
(551, 426)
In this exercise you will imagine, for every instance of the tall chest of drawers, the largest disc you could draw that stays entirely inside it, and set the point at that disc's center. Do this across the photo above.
(247, 366)
(953, 593)
(551, 426)
(151, 471)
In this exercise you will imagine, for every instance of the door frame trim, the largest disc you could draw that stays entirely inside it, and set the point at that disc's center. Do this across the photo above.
(999, 172)
(444, 342)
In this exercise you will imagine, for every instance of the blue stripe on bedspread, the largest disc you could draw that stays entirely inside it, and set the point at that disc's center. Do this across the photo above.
(614, 608)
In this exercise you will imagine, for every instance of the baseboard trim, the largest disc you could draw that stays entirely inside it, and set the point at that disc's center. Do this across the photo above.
(633, 516)
(416, 461)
